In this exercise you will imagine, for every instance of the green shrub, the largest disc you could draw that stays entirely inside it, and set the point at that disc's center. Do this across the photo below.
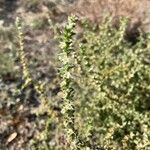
(105, 82)
(105, 85)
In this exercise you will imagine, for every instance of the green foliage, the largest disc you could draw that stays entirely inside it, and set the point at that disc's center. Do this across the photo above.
(66, 84)
(105, 82)
(105, 87)
(39, 88)
(22, 55)
(26, 75)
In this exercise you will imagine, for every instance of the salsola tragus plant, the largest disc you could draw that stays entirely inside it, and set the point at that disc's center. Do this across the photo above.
(26, 76)
(105, 85)
(105, 82)
(22, 55)
(38, 86)
(66, 84)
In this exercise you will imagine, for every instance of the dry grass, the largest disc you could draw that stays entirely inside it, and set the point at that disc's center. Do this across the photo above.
(96, 9)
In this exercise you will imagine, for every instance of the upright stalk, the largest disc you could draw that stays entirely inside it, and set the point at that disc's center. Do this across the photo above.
(66, 84)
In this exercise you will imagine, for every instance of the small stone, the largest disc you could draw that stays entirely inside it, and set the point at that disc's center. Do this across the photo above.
(12, 137)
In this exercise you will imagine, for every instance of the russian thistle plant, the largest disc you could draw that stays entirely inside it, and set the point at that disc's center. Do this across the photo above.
(38, 86)
(66, 84)
(22, 55)
(105, 85)
(27, 78)
(105, 82)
